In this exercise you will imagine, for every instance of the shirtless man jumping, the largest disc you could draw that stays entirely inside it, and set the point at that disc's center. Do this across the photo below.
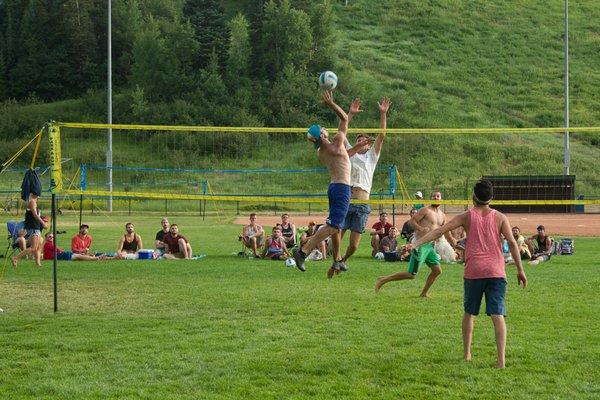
(334, 156)
(427, 219)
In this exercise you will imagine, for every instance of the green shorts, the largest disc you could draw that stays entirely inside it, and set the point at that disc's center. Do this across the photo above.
(425, 254)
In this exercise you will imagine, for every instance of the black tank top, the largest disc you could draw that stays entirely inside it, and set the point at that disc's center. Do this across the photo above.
(541, 245)
(130, 246)
(287, 232)
(30, 221)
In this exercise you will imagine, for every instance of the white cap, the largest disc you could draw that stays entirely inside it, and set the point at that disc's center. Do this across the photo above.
(419, 194)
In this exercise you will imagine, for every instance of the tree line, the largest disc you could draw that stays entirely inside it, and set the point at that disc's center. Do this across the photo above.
(174, 61)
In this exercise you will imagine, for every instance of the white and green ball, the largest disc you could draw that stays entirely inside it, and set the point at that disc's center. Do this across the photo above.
(328, 80)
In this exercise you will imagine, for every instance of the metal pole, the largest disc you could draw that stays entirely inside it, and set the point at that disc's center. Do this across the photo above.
(109, 152)
(54, 269)
(80, 211)
(567, 145)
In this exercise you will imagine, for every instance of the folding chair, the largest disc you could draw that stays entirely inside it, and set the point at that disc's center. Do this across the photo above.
(13, 228)
(244, 251)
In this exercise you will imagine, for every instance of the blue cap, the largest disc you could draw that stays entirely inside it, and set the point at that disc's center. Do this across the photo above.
(314, 135)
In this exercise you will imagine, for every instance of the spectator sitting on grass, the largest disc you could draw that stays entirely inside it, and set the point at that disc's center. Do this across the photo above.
(275, 247)
(523, 248)
(379, 230)
(63, 255)
(159, 244)
(540, 246)
(288, 231)
(253, 235)
(129, 244)
(321, 247)
(178, 247)
(81, 243)
(389, 246)
(407, 229)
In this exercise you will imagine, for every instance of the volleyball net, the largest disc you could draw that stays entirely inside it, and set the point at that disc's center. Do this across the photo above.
(254, 166)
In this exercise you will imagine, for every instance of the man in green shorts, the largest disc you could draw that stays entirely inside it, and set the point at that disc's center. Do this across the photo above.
(426, 219)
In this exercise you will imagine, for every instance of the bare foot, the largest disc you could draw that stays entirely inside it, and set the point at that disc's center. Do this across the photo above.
(500, 365)
(379, 283)
(13, 260)
(425, 295)
(467, 357)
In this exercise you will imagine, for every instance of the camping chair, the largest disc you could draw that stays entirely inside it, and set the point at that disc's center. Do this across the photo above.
(13, 228)
(244, 252)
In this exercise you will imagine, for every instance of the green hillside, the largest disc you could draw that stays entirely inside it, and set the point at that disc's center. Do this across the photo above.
(444, 64)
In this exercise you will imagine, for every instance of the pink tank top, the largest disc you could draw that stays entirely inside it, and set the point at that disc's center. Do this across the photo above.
(483, 252)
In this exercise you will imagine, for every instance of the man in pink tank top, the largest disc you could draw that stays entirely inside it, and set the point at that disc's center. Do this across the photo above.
(484, 265)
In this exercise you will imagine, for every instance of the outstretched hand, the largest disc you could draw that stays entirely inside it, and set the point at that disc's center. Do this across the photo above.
(328, 97)
(384, 105)
(355, 106)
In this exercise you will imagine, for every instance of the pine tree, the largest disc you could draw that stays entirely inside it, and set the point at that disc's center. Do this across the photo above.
(207, 18)
(323, 33)
(79, 47)
(286, 33)
(239, 52)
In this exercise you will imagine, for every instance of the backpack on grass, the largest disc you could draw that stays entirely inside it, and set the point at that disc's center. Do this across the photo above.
(566, 246)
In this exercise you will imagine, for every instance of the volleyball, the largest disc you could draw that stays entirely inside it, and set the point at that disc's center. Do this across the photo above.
(328, 80)
(379, 256)
(290, 263)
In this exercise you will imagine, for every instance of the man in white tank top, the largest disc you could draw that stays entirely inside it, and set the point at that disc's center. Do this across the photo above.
(364, 156)
(484, 265)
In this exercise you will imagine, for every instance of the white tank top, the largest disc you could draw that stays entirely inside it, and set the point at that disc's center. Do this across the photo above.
(363, 168)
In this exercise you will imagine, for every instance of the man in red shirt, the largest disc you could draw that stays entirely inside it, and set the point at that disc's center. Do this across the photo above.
(380, 230)
(177, 246)
(81, 243)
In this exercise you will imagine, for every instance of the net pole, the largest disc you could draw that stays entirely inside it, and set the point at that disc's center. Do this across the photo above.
(567, 144)
(109, 152)
(54, 262)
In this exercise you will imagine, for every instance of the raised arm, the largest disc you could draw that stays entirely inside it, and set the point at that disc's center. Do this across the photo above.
(354, 109)
(384, 106)
(343, 125)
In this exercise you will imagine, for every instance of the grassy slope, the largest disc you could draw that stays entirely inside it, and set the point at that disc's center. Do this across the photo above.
(444, 64)
(474, 64)
(226, 327)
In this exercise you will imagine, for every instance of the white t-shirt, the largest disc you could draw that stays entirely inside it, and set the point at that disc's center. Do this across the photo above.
(363, 168)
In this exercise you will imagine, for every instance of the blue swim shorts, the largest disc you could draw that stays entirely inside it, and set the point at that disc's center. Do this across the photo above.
(339, 201)
(494, 290)
(356, 218)
(64, 255)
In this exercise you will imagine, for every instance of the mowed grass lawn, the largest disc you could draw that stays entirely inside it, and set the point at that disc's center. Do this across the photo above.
(228, 327)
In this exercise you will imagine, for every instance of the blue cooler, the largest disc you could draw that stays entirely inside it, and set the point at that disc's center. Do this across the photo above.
(145, 254)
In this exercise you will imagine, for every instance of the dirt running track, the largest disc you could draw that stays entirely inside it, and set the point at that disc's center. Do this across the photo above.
(556, 224)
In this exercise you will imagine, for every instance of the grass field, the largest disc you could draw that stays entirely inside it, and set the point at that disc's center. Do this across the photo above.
(227, 327)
